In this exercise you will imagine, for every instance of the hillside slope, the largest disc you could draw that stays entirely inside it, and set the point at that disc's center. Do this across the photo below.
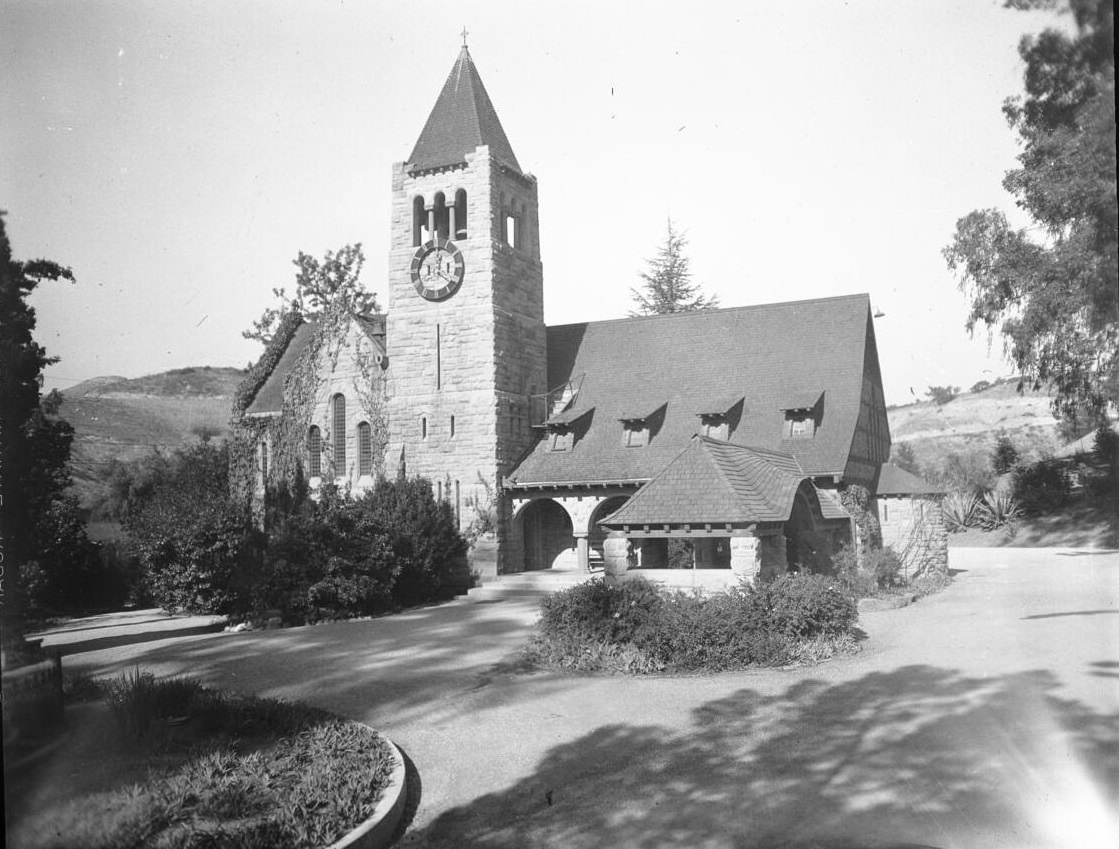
(120, 418)
(970, 422)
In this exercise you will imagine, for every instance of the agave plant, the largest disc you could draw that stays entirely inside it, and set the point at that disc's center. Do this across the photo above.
(997, 510)
(960, 511)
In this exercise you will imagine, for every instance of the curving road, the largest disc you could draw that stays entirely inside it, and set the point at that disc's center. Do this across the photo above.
(986, 716)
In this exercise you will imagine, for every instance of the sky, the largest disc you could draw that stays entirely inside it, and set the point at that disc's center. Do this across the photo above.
(179, 155)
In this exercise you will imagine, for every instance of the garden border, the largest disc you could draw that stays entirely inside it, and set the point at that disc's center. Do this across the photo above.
(379, 828)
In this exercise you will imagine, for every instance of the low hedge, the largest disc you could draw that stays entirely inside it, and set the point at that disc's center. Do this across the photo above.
(638, 627)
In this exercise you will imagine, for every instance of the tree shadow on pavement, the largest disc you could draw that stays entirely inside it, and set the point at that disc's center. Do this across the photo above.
(404, 667)
(916, 756)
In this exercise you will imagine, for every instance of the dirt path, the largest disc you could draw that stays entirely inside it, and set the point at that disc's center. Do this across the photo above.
(983, 717)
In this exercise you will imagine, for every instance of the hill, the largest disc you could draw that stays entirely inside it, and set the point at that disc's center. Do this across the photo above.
(968, 424)
(122, 418)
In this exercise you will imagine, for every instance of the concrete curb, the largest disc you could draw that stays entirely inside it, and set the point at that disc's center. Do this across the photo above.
(870, 605)
(377, 831)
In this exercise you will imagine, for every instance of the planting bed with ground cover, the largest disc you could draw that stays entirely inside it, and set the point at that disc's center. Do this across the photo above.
(638, 627)
(174, 765)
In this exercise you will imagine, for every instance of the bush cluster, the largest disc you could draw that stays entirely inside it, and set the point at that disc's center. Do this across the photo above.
(637, 626)
(327, 558)
(880, 570)
(1041, 487)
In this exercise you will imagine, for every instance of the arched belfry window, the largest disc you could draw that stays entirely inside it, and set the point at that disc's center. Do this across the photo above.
(314, 449)
(442, 222)
(419, 221)
(338, 434)
(364, 449)
(459, 215)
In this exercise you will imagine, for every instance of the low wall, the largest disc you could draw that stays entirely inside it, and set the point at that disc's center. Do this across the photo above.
(705, 580)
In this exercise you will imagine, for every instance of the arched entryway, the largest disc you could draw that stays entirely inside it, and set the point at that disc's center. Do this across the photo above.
(808, 548)
(548, 534)
(596, 536)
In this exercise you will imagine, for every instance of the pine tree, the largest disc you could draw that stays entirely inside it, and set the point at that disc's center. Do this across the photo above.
(668, 285)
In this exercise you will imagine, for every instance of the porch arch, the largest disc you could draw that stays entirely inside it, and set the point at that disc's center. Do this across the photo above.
(548, 535)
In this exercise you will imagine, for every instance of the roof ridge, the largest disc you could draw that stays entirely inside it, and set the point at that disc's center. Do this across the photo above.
(723, 311)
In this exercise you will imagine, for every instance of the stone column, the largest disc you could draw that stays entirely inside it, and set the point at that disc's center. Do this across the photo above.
(745, 557)
(583, 552)
(615, 551)
(451, 222)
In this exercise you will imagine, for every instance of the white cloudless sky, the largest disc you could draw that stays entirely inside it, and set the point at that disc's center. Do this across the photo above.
(178, 155)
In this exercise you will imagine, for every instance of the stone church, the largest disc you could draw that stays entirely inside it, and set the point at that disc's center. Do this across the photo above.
(594, 443)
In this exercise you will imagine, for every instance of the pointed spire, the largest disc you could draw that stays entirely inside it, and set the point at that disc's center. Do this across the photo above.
(462, 119)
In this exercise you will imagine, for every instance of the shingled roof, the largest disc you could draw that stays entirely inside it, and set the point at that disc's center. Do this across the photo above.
(895, 480)
(463, 119)
(715, 482)
(269, 399)
(764, 355)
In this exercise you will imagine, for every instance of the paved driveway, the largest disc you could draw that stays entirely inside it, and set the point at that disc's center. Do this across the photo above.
(987, 716)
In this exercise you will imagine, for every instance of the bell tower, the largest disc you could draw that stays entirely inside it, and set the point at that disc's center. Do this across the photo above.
(465, 336)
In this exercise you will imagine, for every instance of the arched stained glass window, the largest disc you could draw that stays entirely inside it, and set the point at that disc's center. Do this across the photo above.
(364, 449)
(314, 447)
(338, 435)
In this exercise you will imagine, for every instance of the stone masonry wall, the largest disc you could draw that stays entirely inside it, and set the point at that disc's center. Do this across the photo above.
(914, 528)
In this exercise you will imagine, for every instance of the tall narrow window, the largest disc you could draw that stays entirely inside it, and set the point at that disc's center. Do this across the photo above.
(460, 215)
(423, 428)
(314, 448)
(452, 427)
(364, 449)
(339, 435)
(419, 221)
(264, 459)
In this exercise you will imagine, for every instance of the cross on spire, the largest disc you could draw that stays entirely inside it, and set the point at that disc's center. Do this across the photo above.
(464, 34)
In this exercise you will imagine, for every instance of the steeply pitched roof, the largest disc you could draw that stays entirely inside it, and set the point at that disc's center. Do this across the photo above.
(463, 119)
(715, 482)
(269, 398)
(762, 354)
(895, 480)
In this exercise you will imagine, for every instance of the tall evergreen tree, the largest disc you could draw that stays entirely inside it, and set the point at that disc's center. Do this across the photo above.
(668, 285)
(34, 442)
(1052, 290)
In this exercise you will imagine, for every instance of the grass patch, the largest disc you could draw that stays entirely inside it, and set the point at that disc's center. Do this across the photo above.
(179, 765)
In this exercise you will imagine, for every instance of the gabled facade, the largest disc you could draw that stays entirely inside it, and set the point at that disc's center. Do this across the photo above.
(556, 429)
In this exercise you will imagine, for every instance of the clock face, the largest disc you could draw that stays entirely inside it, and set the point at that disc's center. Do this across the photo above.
(437, 269)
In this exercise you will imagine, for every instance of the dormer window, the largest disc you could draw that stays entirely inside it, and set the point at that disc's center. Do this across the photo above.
(718, 417)
(715, 427)
(799, 424)
(803, 415)
(635, 432)
(559, 440)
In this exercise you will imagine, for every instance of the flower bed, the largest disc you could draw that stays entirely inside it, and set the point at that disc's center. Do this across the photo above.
(224, 770)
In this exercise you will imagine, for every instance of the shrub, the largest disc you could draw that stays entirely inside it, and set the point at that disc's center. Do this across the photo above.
(806, 606)
(1005, 456)
(1041, 487)
(880, 570)
(430, 552)
(941, 395)
(598, 611)
(997, 510)
(189, 536)
(637, 627)
(136, 699)
(960, 511)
